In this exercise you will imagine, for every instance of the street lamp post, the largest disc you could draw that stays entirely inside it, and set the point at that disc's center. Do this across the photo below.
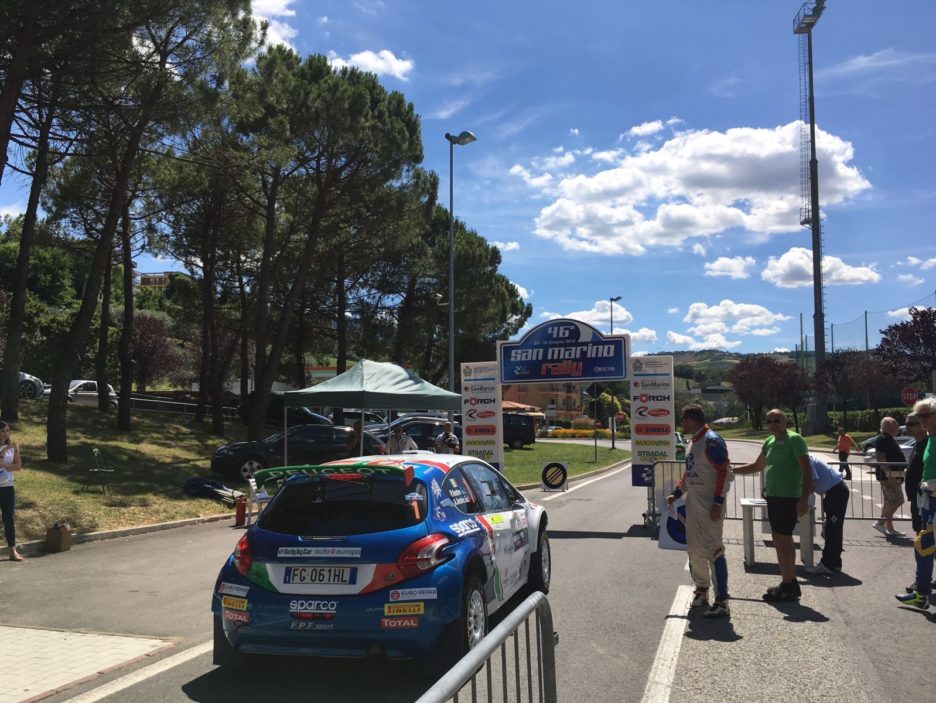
(460, 139)
(613, 423)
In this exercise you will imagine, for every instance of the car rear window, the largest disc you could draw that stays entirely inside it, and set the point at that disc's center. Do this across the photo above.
(327, 507)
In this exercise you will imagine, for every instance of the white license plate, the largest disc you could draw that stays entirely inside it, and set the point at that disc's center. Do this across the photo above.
(327, 575)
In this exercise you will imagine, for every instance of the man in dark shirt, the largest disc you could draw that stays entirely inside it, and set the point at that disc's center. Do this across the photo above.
(915, 467)
(890, 474)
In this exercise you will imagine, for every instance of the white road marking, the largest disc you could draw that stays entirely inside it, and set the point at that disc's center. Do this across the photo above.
(687, 565)
(124, 682)
(582, 485)
(660, 681)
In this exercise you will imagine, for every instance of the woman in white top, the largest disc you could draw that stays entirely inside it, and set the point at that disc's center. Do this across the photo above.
(10, 463)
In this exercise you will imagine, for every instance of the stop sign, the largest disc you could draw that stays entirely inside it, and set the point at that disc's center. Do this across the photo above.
(908, 395)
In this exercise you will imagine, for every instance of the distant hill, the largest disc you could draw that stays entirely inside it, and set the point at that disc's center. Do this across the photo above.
(714, 365)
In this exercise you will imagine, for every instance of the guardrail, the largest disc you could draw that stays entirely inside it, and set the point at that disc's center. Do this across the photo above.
(152, 404)
(515, 675)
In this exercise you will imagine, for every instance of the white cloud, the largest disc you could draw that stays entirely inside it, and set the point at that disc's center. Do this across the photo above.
(733, 267)
(506, 246)
(644, 335)
(383, 63)
(910, 279)
(899, 313)
(599, 316)
(13, 210)
(889, 61)
(323, 19)
(553, 162)
(528, 178)
(780, 350)
(729, 316)
(672, 311)
(521, 290)
(794, 270)
(923, 264)
(448, 109)
(573, 131)
(695, 184)
(279, 31)
(698, 249)
(645, 129)
(608, 155)
(712, 341)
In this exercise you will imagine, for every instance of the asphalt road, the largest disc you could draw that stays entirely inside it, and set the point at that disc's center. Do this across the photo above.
(614, 600)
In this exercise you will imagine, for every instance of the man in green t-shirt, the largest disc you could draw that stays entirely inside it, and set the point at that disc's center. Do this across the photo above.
(788, 485)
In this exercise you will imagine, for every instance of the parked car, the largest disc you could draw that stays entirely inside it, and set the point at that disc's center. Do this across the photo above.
(422, 430)
(519, 430)
(30, 386)
(352, 416)
(85, 392)
(305, 444)
(906, 445)
(295, 414)
(390, 557)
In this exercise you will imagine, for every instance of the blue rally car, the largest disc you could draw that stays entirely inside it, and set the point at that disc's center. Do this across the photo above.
(395, 556)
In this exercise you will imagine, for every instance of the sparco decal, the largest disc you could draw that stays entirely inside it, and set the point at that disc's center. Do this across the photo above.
(645, 398)
(644, 411)
(487, 430)
(654, 428)
(313, 609)
(475, 414)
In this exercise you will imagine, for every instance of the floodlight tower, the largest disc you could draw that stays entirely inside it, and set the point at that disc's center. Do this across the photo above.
(803, 24)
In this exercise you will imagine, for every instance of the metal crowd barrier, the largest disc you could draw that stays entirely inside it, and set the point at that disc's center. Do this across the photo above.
(864, 503)
(525, 672)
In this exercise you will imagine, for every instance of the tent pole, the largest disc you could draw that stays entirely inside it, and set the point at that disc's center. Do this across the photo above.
(285, 438)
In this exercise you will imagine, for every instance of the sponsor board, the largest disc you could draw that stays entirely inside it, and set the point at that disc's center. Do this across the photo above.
(339, 552)
(233, 589)
(404, 608)
(234, 603)
(645, 384)
(654, 398)
(652, 365)
(654, 442)
(399, 623)
(414, 594)
(563, 350)
(481, 401)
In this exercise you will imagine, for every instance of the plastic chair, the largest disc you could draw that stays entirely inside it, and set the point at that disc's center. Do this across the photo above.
(257, 497)
(98, 474)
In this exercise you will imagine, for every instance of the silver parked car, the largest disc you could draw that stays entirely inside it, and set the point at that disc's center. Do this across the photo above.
(84, 392)
(906, 445)
(30, 386)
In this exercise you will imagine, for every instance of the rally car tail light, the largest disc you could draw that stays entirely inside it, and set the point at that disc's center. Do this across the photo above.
(423, 555)
(243, 559)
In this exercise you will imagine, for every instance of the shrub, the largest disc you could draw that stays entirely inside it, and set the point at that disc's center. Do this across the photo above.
(868, 420)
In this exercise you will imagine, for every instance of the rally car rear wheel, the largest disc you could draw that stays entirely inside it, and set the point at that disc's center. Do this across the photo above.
(474, 614)
(541, 564)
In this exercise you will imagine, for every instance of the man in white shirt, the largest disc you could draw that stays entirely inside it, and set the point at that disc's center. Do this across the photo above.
(400, 442)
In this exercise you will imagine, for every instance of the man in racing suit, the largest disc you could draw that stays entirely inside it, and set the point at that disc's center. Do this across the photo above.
(705, 482)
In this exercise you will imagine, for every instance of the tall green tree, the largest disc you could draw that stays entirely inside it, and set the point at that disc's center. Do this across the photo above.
(908, 349)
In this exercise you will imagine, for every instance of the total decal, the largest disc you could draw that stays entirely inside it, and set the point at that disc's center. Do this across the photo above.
(653, 432)
(482, 429)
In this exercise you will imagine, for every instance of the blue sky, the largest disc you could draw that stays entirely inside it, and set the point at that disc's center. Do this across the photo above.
(650, 150)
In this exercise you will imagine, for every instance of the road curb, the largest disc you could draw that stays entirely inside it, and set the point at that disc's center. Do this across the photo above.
(38, 546)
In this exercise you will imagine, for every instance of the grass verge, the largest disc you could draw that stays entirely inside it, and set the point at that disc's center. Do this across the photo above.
(153, 460)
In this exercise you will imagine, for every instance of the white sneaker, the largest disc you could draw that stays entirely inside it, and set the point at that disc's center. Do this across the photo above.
(820, 568)
(880, 528)
(895, 533)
